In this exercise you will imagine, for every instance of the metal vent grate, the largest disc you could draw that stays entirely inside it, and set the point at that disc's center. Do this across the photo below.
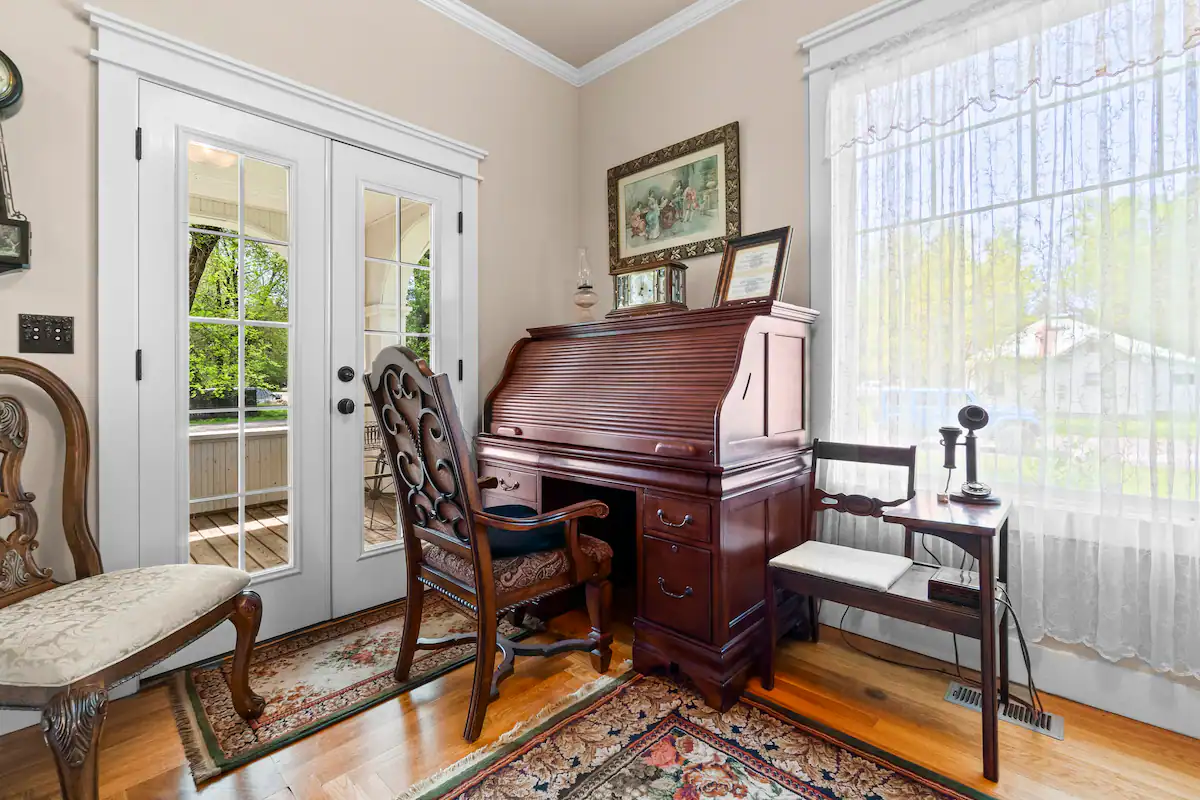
(1045, 723)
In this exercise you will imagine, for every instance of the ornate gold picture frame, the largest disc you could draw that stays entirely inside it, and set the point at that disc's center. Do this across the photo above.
(679, 202)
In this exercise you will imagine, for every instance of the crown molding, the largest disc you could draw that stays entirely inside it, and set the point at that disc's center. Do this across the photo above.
(507, 38)
(651, 38)
(514, 42)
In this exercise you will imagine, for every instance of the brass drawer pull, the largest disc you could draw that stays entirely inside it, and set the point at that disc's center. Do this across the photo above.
(687, 520)
(509, 487)
(662, 584)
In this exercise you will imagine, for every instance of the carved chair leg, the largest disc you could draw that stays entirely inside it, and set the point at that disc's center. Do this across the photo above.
(71, 724)
(599, 604)
(412, 629)
(485, 663)
(247, 616)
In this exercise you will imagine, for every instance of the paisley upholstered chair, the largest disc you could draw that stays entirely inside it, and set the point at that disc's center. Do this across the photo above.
(64, 646)
(487, 561)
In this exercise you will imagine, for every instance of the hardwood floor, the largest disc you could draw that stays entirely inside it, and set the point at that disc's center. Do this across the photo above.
(379, 753)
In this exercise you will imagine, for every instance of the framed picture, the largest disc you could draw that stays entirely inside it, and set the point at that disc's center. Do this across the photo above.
(753, 267)
(678, 202)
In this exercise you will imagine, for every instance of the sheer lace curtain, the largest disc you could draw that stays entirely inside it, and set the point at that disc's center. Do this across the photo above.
(1016, 223)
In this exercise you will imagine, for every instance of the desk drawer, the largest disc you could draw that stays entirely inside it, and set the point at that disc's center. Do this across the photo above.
(677, 587)
(515, 486)
(677, 516)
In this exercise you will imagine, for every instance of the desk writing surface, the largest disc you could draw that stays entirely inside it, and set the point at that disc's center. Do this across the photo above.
(924, 511)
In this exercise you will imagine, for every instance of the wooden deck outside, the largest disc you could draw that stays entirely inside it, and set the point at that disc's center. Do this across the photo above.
(213, 535)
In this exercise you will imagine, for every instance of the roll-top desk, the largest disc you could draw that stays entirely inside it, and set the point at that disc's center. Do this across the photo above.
(703, 416)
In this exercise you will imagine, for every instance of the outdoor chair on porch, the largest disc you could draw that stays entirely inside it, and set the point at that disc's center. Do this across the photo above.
(484, 561)
(64, 646)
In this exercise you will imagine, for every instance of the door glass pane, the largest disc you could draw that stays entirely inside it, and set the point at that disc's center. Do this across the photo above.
(212, 275)
(420, 345)
(212, 188)
(239, 464)
(266, 200)
(379, 225)
(379, 296)
(268, 543)
(416, 299)
(414, 230)
(266, 271)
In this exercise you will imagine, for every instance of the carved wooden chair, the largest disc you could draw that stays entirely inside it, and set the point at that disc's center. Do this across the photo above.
(485, 562)
(841, 574)
(63, 646)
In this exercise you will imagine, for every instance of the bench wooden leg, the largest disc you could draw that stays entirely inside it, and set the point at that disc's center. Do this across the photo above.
(768, 663)
(71, 724)
(814, 621)
(987, 655)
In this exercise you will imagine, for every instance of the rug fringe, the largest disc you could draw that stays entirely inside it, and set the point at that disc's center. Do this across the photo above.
(470, 762)
(202, 765)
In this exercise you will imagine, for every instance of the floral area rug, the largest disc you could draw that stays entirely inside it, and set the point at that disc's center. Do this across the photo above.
(648, 738)
(310, 680)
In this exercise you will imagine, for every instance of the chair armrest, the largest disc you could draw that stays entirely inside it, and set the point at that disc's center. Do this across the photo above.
(587, 508)
(490, 482)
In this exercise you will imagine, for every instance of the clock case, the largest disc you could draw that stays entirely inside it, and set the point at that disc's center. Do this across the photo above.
(665, 280)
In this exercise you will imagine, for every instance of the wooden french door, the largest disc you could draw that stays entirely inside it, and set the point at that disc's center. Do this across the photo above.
(234, 394)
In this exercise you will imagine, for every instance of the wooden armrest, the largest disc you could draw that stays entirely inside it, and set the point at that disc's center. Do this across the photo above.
(587, 508)
(490, 482)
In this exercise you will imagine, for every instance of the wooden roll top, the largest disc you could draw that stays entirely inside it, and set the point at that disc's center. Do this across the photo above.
(653, 385)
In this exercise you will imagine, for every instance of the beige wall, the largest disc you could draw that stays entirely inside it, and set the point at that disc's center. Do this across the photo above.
(743, 65)
(397, 56)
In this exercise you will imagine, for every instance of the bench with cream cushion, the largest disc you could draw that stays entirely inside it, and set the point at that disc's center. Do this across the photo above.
(864, 568)
(64, 646)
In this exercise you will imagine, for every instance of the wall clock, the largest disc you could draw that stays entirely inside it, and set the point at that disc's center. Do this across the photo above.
(11, 86)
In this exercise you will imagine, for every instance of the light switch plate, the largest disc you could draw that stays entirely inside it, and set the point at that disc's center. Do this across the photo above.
(44, 333)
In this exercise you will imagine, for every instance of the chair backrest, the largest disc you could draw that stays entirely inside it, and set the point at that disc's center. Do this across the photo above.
(857, 504)
(436, 489)
(20, 576)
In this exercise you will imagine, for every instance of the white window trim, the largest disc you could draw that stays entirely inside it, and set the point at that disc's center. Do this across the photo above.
(127, 52)
(826, 47)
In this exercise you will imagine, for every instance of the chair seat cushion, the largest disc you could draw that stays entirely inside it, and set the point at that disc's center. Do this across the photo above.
(78, 629)
(864, 568)
(515, 572)
(518, 543)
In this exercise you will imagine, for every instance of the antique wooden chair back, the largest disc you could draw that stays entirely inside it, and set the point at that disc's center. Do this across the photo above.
(437, 492)
(20, 576)
(856, 504)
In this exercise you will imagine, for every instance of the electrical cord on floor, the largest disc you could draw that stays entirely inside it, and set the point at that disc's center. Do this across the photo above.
(1035, 697)
(886, 660)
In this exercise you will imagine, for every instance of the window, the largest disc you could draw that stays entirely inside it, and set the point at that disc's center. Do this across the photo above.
(1014, 197)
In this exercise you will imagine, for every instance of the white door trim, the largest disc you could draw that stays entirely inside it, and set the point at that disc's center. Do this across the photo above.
(127, 52)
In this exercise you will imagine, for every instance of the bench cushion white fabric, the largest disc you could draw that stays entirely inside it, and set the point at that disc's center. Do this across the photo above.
(864, 568)
(76, 630)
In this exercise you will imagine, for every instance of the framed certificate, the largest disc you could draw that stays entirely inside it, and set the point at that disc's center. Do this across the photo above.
(753, 267)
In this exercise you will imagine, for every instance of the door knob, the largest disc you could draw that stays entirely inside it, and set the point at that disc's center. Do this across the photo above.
(345, 405)
(346, 374)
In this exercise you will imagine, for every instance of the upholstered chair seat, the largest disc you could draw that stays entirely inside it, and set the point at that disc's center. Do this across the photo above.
(58, 637)
(518, 572)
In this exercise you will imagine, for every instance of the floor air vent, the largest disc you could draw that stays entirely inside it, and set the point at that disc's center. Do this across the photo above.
(1044, 723)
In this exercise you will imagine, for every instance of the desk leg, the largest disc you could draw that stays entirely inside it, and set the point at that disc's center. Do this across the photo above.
(987, 654)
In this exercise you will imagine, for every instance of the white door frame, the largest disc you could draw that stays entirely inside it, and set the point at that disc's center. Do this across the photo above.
(127, 52)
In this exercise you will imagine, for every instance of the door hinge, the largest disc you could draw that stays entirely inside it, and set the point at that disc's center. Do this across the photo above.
(137, 364)
(460, 369)
(460, 222)
(137, 144)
